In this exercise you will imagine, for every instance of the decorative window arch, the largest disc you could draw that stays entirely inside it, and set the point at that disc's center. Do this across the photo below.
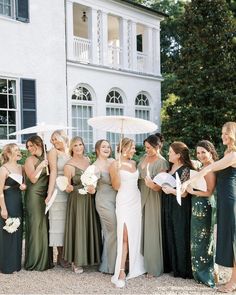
(82, 110)
(114, 107)
(142, 111)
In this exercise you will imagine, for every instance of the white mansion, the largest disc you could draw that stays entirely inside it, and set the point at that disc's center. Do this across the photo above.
(64, 61)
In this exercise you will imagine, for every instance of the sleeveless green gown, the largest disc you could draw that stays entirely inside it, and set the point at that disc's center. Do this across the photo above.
(38, 255)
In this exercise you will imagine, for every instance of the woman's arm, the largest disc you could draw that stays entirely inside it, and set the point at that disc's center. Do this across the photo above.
(3, 176)
(115, 175)
(52, 160)
(68, 173)
(30, 170)
(211, 183)
(227, 161)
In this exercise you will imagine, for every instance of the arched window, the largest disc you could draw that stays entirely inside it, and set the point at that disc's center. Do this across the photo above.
(114, 107)
(82, 110)
(142, 111)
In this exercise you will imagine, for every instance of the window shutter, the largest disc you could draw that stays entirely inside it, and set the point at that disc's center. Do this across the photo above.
(22, 10)
(28, 104)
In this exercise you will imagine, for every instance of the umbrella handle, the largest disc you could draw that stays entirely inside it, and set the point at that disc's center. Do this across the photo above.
(45, 158)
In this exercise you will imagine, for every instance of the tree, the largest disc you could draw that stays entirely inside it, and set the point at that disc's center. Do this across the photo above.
(205, 74)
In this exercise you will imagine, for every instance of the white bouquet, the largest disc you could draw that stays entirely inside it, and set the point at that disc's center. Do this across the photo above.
(12, 224)
(88, 178)
(62, 182)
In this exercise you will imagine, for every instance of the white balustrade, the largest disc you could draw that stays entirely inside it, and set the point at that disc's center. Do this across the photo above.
(141, 62)
(114, 56)
(82, 49)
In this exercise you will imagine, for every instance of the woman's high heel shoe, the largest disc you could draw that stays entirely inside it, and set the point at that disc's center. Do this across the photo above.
(77, 269)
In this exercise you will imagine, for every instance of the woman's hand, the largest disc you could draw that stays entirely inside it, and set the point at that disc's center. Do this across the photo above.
(148, 181)
(167, 189)
(23, 187)
(4, 213)
(190, 190)
(44, 163)
(47, 199)
(184, 186)
(69, 188)
(91, 189)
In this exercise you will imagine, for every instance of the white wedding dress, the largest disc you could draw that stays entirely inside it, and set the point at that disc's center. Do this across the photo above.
(128, 212)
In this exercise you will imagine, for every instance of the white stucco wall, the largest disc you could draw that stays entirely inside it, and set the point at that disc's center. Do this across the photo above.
(36, 50)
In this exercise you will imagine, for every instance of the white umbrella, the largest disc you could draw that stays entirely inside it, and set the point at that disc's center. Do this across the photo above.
(122, 124)
(40, 128)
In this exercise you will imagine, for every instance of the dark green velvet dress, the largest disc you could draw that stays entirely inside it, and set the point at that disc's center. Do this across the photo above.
(38, 255)
(11, 243)
(202, 239)
(226, 217)
(82, 244)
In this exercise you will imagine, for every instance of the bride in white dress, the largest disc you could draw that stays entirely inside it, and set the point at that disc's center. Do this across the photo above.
(124, 178)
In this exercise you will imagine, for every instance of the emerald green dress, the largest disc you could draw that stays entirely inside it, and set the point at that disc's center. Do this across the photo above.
(202, 234)
(82, 244)
(38, 255)
(151, 243)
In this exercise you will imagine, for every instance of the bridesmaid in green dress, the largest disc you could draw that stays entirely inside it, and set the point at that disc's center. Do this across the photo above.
(38, 255)
(226, 204)
(152, 164)
(10, 206)
(202, 220)
(106, 205)
(82, 244)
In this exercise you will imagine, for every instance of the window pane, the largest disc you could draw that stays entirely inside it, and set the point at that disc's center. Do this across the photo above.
(3, 86)
(12, 86)
(3, 117)
(3, 101)
(12, 102)
(3, 132)
(11, 117)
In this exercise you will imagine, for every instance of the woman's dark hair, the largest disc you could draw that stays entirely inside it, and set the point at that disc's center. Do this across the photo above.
(98, 146)
(155, 140)
(37, 140)
(181, 148)
(207, 145)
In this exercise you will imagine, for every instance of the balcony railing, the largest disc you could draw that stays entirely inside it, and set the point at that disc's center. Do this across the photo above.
(114, 56)
(82, 49)
(141, 62)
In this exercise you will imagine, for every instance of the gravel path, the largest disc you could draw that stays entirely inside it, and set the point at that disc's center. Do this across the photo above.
(64, 281)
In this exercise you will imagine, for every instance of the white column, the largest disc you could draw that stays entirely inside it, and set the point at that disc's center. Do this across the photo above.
(156, 51)
(148, 50)
(69, 30)
(104, 39)
(133, 52)
(124, 42)
(93, 35)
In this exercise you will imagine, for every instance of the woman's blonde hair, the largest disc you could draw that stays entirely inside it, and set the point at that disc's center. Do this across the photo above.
(61, 136)
(6, 151)
(126, 143)
(73, 141)
(231, 130)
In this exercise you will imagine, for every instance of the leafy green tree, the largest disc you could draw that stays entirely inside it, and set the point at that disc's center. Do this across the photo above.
(205, 84)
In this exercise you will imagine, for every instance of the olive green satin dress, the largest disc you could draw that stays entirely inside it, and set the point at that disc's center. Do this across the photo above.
(82, 244)
(38, 255)
(151, 246)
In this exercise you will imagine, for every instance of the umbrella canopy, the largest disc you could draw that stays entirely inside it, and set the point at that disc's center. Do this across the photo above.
(40, 128)
(122, 124)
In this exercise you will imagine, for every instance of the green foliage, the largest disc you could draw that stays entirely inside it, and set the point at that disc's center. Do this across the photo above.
(205, 74)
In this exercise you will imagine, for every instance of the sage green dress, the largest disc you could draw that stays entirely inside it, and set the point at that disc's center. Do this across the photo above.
(202, 243)
(106, 208)
(151, 246)
(38, 255)
(82, 244)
